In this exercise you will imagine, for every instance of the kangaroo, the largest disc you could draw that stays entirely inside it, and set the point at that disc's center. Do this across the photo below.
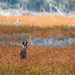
(23, 53)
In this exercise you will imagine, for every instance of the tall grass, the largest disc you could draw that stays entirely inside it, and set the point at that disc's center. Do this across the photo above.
(39, 61)
(38, 31)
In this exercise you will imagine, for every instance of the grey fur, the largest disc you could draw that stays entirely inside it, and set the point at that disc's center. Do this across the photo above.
(23, 53)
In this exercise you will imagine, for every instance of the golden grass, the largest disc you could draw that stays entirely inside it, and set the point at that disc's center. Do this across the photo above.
(39, 61)
(38, 31)
(41, 21)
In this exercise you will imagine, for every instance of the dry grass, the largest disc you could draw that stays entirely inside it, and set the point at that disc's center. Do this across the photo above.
(38, 31)
(42, 21)
(39, 61)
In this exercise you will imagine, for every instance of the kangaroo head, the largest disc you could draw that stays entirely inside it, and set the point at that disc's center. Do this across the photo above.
(25, 45)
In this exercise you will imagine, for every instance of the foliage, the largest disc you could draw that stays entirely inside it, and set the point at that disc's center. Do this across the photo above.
(41, 21)
(42, 5)
(39, 61)
(37, 31)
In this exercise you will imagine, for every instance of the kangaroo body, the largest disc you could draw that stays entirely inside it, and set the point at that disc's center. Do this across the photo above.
(23, 53)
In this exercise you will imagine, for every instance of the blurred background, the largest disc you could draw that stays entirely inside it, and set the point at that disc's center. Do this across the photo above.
(25, 7)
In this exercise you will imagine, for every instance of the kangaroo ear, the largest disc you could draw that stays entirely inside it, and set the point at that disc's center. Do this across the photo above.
(26, 43)
(23, 43)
